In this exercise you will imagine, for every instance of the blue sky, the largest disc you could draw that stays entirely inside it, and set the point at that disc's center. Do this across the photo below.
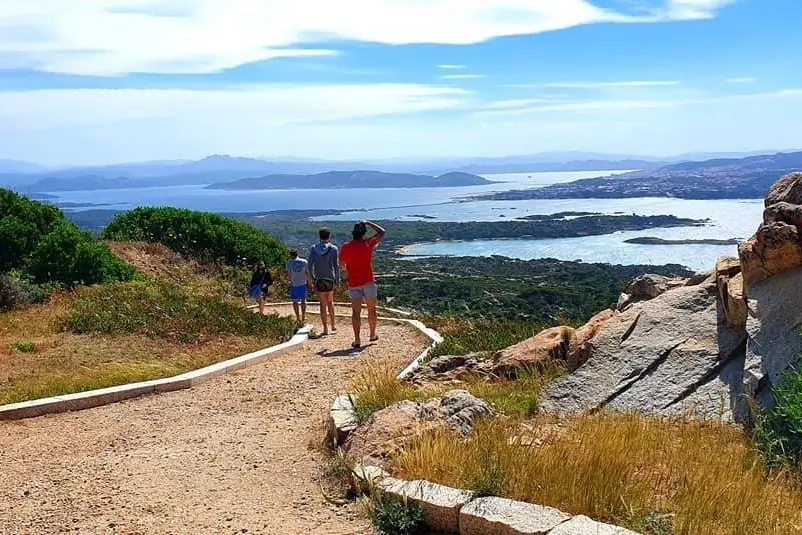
(94, 81)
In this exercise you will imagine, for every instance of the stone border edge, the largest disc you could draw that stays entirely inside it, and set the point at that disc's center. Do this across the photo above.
(105, 396)
(458, 511)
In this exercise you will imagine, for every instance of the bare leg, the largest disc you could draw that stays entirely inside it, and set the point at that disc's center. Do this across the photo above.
(372, 319)
(323, 312)
(296, 308)
(356, 318)
(303, 311)
(330, 306)
(262, 304)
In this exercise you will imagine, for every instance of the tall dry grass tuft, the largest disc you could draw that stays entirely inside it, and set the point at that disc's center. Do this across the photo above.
(620, 468)
(375, 387)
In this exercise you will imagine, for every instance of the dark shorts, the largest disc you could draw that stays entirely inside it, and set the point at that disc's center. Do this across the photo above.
(324, 285)
(298, 293)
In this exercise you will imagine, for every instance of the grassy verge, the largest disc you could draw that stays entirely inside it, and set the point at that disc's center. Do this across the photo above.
(654, 475)
(375, 387)
(461, 337)
(114, 334)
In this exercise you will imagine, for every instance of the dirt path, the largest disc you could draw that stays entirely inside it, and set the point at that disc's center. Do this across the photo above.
(229, 456)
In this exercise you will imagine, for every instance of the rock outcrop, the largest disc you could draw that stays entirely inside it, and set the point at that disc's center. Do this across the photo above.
(701, 346)
(674, 354)
(392, 429)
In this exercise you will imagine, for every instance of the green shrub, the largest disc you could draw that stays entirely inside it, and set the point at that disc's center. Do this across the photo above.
(204, 236)
(778, 432)
(15, 293)
(166, 310)
(22, 223)
(71, 256)
(393, 516)
(24, 347)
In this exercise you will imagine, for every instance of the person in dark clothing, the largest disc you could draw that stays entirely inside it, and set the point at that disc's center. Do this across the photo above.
(324, 271)
(260, 284)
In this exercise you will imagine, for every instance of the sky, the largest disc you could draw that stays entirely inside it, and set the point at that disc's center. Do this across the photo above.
(102, 81)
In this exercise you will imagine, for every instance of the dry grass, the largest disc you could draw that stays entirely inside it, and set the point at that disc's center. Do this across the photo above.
(619, 468)
(64, 362)
(375, 387)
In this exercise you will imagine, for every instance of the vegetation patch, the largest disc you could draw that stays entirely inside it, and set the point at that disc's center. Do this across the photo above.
(644, 473)
(394, 516)
(461, 337)
(778, 433)
(41, 244)
(167, 310)
(204, 236)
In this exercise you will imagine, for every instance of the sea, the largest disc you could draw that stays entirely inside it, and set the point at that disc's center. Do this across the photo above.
(726, 219)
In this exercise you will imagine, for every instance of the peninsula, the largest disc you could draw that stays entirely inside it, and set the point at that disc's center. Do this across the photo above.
(352, 179)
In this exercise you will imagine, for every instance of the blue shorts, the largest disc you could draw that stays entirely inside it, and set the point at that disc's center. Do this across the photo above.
(255, 292)
(367, 291)
(298, 293)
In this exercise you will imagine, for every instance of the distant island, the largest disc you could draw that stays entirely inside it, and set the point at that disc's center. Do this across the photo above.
(647, 240)
(739, 178)
(352, 179)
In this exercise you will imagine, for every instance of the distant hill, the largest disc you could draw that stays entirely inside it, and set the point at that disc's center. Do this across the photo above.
(729, 178)
(352, 179)
(16, 166)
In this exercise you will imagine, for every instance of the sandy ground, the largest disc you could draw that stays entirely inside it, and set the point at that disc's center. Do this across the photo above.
(229, 456)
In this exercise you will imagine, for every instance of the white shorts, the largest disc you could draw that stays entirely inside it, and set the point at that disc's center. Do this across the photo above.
(367, 291)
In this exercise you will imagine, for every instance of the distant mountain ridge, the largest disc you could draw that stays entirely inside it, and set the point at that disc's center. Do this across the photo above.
(730, 178)
(29, 177)
(352, 179)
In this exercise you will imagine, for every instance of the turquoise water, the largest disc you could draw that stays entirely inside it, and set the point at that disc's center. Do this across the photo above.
(728, 218)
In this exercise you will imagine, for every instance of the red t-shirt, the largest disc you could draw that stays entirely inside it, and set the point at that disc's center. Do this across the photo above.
(356, 256)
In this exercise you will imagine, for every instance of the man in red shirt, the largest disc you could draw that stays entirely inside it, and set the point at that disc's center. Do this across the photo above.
(356, 256)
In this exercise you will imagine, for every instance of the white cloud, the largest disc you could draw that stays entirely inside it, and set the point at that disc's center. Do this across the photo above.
(742, 80)
(612, 85)
(266, 105)
(466, 76)
(695, 9)
(449, 67)
(171, 36)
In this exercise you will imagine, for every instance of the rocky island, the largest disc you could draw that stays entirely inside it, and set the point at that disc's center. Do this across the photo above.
(649, 240)
(352, 179)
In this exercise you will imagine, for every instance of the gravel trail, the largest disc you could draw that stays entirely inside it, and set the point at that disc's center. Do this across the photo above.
(230, 456)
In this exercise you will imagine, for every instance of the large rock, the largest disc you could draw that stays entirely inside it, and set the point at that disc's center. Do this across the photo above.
(391, 430)
(673, 354)
(579, 350)
(731, 294)
(775, 247)
(547, 345)
(647, 286)
(440, 505)
(786, 189)
(582, 525)
(773, 328)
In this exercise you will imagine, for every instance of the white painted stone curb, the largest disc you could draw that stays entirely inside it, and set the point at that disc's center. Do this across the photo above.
(105, 396)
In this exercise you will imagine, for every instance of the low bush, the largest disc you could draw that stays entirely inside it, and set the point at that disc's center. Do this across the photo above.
(24, 347)
(15, 293)
(778, 432)
(204, 236)
(393, 516)
(71, 257)
(166, 310)
(37, 239)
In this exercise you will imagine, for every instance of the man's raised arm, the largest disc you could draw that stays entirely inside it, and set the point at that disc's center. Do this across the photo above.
(380, 232)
